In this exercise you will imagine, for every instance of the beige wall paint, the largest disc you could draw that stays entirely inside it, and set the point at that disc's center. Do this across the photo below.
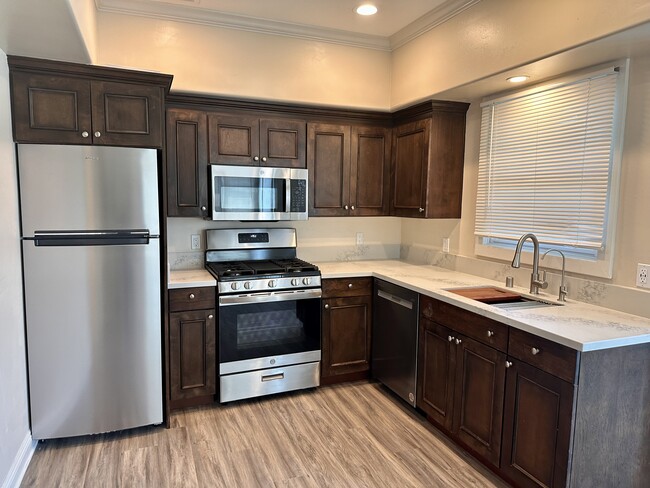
(85, 16)
(633, 230)
(230, 62)
(496, 35)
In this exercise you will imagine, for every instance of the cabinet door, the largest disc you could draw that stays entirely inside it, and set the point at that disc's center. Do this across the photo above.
(283, 143)
(50, 109)
(187, 163)
(346, 335)
(478, 397)
(537, 427)
(410, 169)
(234, 139)
(192, 357)
(370, 171)
(436, 366)
(126, 114)
(328, 161)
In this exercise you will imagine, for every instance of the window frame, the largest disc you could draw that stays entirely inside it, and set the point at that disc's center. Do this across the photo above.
(603, 265)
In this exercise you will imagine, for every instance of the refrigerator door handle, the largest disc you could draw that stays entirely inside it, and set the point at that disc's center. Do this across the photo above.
(91, 238)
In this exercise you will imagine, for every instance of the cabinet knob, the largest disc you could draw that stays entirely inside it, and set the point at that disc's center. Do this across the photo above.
(508, 364)
(327, 306)
(535, 351)
(98, 134)
(264, 158)
(210, 316)
(349, 285)
(256, 158)
(450, 338)
(458, 341)
(490, 333)
(84, 134)
(203, 208)
(191, 296)
(420, 209)
(346, 207)
(352, 207)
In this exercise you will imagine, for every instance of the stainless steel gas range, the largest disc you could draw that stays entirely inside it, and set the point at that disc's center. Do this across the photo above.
(269, 312)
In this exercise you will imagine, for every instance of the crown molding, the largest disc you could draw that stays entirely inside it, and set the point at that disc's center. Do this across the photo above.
(428, 21)
(185, 11)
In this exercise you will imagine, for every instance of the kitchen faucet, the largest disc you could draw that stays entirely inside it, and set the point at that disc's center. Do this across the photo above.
(563, 290)
(535, 282)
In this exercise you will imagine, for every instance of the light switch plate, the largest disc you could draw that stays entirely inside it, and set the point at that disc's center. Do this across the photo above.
(642, 278)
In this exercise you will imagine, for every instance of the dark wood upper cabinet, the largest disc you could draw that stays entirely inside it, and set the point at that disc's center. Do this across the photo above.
(428, 158)
(349, 169)
(537, 427)
(251, 141)
(66, 103)
(187, 163)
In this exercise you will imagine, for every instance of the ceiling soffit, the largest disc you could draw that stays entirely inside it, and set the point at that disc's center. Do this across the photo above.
(187, 13)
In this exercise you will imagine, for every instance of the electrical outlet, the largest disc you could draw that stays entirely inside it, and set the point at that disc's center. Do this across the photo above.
(642, 278)
(359, 238)
(196, 242)
(445, 244)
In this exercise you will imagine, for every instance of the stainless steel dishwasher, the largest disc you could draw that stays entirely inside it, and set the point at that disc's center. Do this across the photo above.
(395, 338)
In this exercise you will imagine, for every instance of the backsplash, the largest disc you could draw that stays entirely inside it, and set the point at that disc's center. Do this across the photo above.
(622, 298)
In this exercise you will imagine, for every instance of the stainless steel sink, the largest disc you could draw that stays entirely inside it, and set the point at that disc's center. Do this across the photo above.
(502, 298)
(526, 302)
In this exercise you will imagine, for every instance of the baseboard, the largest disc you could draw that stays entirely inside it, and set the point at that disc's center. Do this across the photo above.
(21, 461)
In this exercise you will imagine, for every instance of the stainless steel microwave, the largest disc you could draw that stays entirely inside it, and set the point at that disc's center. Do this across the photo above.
(258, 193)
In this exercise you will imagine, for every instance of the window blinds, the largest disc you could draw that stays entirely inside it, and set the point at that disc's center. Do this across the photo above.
(545, 163)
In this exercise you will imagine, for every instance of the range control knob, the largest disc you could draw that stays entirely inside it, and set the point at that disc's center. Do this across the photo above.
(306, 281)
(295, 282)
(272, 283)
(248, 285)
(234, 285)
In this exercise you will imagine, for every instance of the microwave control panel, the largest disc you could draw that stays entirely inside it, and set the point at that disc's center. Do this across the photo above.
(298, 196)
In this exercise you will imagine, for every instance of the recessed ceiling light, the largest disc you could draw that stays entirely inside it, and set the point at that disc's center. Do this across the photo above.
(366, 9)
(517, 79)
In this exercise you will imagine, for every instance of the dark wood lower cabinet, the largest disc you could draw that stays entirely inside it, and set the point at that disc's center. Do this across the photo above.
(192, 358)
(537, 427)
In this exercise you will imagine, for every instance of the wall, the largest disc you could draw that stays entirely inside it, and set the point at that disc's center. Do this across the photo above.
(422, 241)
(85, 16)
(206, 59)
(15, 439)
(496, 35)
(319, 239)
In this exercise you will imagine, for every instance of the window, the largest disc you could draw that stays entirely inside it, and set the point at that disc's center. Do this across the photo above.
(548, 164)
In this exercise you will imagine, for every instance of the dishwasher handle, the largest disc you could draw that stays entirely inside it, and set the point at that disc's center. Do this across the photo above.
(392, 298)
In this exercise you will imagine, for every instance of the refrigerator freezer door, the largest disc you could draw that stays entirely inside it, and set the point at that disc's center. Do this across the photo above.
(94, 337)
(87, 188)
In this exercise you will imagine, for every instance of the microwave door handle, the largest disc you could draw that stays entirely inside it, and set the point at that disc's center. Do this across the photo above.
(287, 198)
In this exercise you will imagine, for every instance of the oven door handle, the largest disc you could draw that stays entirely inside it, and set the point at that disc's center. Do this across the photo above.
(274, 296)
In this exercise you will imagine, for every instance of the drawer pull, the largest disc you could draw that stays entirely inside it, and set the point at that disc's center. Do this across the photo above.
(349, 285)
(327, 306)
(450, 338)
(508, 364)
(490, 333)
(458, 341)
(535, 351)
(272, 377)
(191, 296)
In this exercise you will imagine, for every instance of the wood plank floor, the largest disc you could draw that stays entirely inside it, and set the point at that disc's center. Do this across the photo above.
(353, 435)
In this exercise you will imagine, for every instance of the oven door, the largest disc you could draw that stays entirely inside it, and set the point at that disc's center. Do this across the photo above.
(263, 330)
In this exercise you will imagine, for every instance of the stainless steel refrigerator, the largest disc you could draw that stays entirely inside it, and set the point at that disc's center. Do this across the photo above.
(92, 269)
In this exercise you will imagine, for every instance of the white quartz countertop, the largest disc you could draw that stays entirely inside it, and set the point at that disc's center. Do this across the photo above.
(578, 325)
(190, 278)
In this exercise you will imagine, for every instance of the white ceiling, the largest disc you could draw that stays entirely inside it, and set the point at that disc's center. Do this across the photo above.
(396, 22)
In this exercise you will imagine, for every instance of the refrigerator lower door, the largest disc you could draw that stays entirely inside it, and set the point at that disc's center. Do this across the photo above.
(93, 317)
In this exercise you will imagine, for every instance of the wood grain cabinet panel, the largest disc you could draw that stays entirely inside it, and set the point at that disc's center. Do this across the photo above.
(410, 161)
(187, 163)
(283, 143)
(346, 329)
(349, 170)
(192, 357)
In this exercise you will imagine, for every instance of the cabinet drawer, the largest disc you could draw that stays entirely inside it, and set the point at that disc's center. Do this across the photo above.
(477, 327)
(348, 287)
(192, 298)
(549, 356)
